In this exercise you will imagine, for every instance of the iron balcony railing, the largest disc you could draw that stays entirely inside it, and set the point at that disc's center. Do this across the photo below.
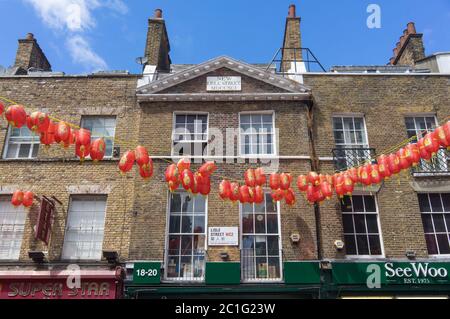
(286, 61)
(440, 164)
(345, 158)
(186, 265)
(261, 265)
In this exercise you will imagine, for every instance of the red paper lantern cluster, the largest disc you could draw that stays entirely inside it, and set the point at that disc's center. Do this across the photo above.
(139, 156)
(22, 198)
(196, 183)
(280, 184)
(316, 187)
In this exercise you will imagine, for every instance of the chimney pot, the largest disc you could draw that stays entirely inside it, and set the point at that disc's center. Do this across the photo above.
(405, 32)
(402, 40)
(392, 61)
(158, 14)
(30, 36)
(411, 28)
(396, 52)
(292, 13)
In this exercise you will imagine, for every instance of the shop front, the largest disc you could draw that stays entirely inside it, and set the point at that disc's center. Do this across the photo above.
(301, 280)
(388, 279)
(83, 284)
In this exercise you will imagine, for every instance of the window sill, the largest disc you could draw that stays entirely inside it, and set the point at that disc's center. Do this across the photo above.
(365, 257)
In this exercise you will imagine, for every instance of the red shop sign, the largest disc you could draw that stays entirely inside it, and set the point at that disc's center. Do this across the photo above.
(56, 287)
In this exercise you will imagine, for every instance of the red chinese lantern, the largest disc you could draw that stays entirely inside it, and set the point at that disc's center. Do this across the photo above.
(234, 195)
(16, 115)
(313, 178)
(251, 192)
(260, 176)
(285, 181)
(424, 154)
(446, 127)
(326, 189)
(28, 198)
(320, 196)
(71, 140)
(2, 108)
(38, 122)
(375, 177)
(383, 167)
(225, 189)
(393, 164)
(339, 185)
(146, 170)
(431, 143)
(244, 194)
(274, 181)
(127, 161)
(173, 185)
(187, 179)
(259, 195)
(142, 157)
(404, 156)
(277, 195)
(97, 150)
(365, 174)
(83, 143)
(172, 173)
(349, 185)
(302, 183)
(184, 163)
(413, 154)
(311, 194)
(249, 177)
(194, 188)
(63, 133)
(17, 198)
(353, 174)
(48, 137)
(82, 151)
(443, 139)
(207, 169)
(289, 197)
(204, 185)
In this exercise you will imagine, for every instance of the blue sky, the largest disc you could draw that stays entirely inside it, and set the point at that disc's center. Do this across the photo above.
(79, 36)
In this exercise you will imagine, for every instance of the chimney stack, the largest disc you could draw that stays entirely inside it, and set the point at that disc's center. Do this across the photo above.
(292, 42)
(157, 46)
(30, 55)
(410, 48)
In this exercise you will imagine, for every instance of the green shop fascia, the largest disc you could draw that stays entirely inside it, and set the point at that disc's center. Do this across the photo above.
(301, 280)
(223, 280)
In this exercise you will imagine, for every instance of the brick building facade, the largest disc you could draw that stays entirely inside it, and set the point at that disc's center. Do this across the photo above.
(315, 121)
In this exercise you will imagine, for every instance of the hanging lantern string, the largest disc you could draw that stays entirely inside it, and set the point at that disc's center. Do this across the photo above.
(132, 145)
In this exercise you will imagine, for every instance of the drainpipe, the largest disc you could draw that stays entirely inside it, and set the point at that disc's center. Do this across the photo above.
(315, 168)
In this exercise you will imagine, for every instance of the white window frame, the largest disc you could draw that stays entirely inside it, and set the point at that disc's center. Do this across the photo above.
(66, 228)
(352, 116)
(355, 257)
(16, 210)
(167, 235)
(274, 135)
(438, 256)
(95, 136)
(34, 144)
(174, 122)
(280, 241)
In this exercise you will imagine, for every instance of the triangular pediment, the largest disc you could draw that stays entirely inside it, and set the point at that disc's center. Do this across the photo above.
(193, 79)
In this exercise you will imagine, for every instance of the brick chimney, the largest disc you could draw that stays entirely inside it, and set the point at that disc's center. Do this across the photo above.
(157, 47)
(410, 48)
(30, 55)
(292, 41)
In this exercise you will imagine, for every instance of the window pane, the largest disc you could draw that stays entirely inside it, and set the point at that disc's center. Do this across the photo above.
(187, 223)
(199, 224)
(348, 223)
(360, 224)
(369, 202)
(446, 201)
(247, 223)
(431, 244)
(363, 245)
(260, 223)
(175, 203)
(175, 222)
(272, 224)
(436, 204)
(427, 223)
(350, 245)
(372, 223)
(439, 224)
(424, 203)
(346, 204)
(358, 205)
(337, 123)
(443, 243)
(375, 245)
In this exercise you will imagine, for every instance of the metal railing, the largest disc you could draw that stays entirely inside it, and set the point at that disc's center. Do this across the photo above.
(261, 264)
(440, 164)
(186, 265)
(287, 61)
(345, 158)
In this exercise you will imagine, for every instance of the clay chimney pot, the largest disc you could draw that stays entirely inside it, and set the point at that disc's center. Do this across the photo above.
(292, 13)
(30, 36)
(158, 14)
(411, 28)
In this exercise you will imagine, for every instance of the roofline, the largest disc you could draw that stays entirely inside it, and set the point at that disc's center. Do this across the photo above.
(231, 97)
